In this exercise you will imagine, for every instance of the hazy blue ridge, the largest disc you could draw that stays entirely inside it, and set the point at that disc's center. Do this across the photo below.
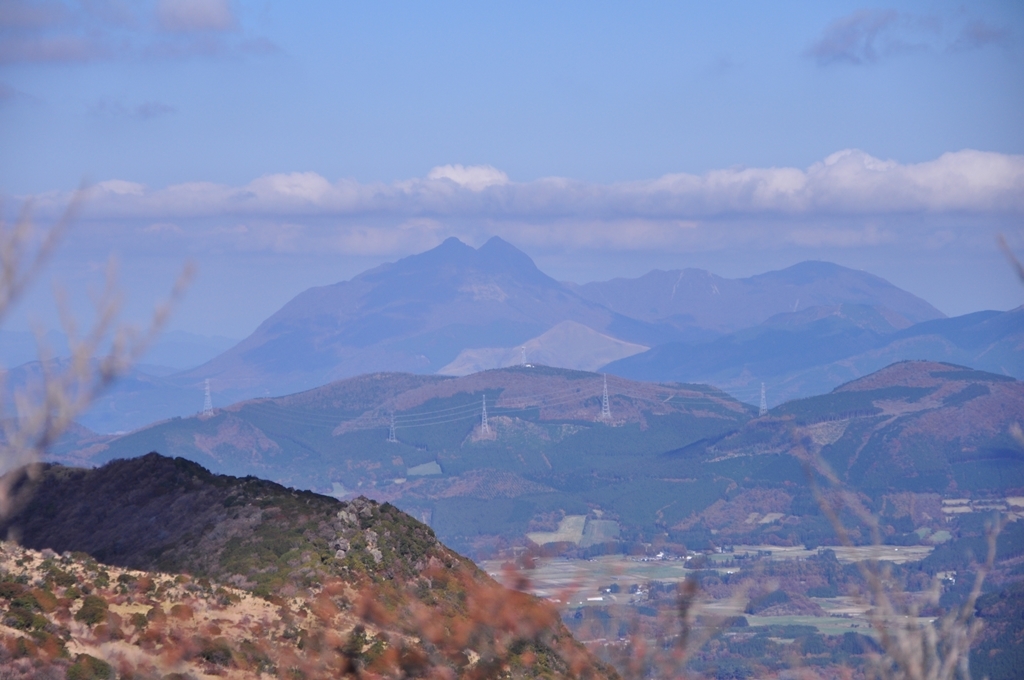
(797, 360)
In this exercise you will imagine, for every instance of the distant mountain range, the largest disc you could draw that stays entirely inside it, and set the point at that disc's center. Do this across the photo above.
(697, 299)
(421, 313)
(457, 309)
(804, 353)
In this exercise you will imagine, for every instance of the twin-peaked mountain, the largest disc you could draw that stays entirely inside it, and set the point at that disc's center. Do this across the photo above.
(413, 315)
(455, 310)
(421, 313)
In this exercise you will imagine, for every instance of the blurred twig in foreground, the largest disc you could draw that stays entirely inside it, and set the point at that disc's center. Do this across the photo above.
(38, 413)
(913, 647)
(1014, 262)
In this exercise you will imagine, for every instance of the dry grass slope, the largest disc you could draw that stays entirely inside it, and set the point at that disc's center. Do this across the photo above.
(269, 581)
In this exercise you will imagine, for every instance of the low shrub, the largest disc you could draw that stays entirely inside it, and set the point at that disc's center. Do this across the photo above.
(88, 667)
(93, 610)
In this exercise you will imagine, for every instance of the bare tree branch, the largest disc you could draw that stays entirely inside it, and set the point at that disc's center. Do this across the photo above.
(1014, 262)
(24, 250)
(912, 648)
(44, 408)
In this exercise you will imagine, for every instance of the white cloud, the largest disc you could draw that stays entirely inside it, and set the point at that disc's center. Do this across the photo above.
(474, 177)
(848, 200)
(303, 186)
(848, 182)
(119, 187)
(973, 181)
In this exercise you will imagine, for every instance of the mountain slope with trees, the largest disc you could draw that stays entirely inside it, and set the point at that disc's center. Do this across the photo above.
(545, 436)
(356, 587)
(670, 454)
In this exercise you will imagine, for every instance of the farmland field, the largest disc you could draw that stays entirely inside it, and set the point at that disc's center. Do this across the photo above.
(553, 577)
(618, 582)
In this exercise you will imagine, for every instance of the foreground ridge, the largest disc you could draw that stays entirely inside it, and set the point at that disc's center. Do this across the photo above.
(155, 565)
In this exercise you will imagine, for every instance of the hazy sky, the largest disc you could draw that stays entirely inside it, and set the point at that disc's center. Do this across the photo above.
(283, 145)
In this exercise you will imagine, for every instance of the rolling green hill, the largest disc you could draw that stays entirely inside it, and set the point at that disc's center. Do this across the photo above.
(546, 452)
(676, 463)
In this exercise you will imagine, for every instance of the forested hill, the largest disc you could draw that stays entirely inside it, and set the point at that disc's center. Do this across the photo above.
(665, 464)
(356, 586)
(545, 433)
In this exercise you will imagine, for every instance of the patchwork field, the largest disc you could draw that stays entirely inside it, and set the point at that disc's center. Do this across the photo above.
(621, 584)
(845, 554)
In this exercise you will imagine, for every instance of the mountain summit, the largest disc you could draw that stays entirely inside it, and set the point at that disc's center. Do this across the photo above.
(416, 314)
(456, 309)
(690, 298)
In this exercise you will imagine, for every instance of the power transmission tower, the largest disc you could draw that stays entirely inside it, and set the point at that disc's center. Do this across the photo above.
(523, 363)
(483, 418)
(208, 401)
(764, 404)
(391, 430)
(606, 412)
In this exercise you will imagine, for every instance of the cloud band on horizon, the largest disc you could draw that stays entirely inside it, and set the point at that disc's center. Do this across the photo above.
(837, 202)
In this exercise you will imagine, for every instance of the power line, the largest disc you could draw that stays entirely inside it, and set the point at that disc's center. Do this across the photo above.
(460, 407)
(465, 411)
(459, 419)
(274, 411)
(517, 405)
(413, 417)
(528, 402)
(295, 416)
(706, 399)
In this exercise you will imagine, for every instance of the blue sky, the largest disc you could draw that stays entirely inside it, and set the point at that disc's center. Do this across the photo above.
(363, 132)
